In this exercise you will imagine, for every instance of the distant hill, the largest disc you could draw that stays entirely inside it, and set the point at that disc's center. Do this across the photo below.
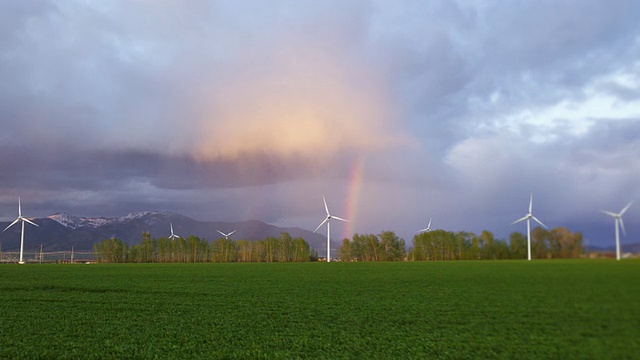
(633, 248)
(62, 231)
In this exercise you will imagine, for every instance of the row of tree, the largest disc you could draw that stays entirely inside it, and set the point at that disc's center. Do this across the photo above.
(193, 249)
(387, 246)
(384, 247)
(446, 245)
(557, 243)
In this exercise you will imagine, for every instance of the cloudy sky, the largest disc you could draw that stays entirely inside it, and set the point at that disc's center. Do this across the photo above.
(396, 112)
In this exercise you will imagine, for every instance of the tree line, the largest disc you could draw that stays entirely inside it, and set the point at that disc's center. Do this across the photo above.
(194, 249)
(384, 247)
(558, 243)
(438, 245)
(435, 245)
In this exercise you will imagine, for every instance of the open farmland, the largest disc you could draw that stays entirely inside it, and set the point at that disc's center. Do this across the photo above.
(506, 309)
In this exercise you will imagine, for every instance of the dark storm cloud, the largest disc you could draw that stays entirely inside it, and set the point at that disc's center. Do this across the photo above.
(50, 168)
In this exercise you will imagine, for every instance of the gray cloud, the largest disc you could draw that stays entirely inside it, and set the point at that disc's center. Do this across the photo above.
(237, 110)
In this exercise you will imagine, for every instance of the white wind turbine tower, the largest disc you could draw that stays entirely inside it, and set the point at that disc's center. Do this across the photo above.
(23, 220)
(328, 221)
(528, 217)
(173, 236)
(427, 229)
(226, 236)
(618, 220)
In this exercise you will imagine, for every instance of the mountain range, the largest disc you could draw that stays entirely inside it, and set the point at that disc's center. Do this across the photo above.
(63, 231)
(633, 248)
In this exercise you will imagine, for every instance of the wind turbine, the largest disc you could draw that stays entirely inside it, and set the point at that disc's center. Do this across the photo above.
(528, 217)
(173, 236)
(226, 236)
(23, 220)
(427, 229)
(618, 220)
(328, 221)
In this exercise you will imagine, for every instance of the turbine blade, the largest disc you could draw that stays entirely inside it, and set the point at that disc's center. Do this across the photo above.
(531, 203)
(233, 232)
(322, 223)
(30, 222)
(428, 228)
(625, 208)
(521, 219)
(19, 208)
(539, 222)
(13, 223)
(622, 226)
(338, 218)
(326, 208)
(609, 213)
(221, 233)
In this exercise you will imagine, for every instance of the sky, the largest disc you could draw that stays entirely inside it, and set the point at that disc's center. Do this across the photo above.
(396, 112)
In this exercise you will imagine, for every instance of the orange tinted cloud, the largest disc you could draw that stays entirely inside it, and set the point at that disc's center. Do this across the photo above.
(300, 101)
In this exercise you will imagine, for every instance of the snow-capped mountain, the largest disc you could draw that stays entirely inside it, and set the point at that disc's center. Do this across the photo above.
(76, 222)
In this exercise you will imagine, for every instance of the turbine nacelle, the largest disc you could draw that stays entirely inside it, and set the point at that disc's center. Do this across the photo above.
(618, 216)
(20, 218)
(226, 236)
(173, 236)
(530, 215)
(527, 217)
(427, 229)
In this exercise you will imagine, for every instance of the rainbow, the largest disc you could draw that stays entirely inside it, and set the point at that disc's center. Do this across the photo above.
(353, 197)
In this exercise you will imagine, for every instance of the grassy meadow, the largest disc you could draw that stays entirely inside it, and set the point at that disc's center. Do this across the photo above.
(483, 309)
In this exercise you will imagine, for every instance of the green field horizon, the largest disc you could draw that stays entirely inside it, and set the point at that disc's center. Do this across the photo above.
(456, 309)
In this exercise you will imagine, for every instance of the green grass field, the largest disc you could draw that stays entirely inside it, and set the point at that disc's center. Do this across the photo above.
(484, 309)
